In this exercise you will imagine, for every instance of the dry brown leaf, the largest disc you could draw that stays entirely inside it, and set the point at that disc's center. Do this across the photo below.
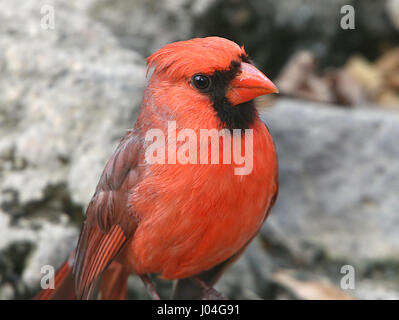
(393, 81)
(309, 290)
(389, 98)
(347, 90)
(299, 79)
(388, 61)
(296, 72)
(357, 82)
(366, 73)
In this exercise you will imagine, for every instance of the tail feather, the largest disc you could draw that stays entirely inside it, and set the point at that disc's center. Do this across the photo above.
(112, 286)
(64, 288)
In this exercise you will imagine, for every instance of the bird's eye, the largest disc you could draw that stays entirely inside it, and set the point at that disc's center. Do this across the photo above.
(201, 82)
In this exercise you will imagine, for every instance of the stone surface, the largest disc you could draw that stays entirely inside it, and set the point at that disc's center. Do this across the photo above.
(338, 200)
(63, 108)
(66, 97)
(338, 190)
(146, 26)
(393, 12)
(28, 244)
(248, 278)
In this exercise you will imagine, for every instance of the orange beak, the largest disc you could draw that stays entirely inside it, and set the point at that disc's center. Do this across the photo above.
(249, 84)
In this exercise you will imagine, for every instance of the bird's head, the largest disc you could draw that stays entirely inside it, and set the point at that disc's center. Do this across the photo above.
(215, 70)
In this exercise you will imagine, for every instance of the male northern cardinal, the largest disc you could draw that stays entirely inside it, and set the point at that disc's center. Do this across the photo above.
(181, 221)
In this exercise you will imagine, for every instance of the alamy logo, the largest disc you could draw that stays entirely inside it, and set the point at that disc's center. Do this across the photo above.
(187, 146)
(348, 20)
(47, 21)
(47, 280)
(348, 280)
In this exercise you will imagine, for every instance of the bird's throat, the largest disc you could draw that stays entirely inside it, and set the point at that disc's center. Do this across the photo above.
(235, 117)
(240, 116)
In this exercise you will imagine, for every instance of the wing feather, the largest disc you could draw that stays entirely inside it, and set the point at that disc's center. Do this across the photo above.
(109, 222)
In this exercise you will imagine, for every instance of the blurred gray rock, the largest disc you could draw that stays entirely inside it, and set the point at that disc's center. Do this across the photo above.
(248, 277)
(27, 245)
(338, 199)
(147, 25)
(393, 12)
(66, 97)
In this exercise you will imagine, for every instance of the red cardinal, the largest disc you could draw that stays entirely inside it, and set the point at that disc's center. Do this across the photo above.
(179, 221)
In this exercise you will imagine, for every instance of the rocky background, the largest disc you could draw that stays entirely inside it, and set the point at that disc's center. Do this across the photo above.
(68, 94)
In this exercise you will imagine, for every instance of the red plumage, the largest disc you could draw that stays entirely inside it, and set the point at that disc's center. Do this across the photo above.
(178, 220)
